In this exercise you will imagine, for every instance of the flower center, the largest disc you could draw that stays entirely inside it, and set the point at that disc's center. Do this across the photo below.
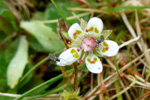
(88, 44)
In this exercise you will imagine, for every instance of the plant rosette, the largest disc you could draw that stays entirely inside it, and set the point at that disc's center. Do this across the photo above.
(86, 45)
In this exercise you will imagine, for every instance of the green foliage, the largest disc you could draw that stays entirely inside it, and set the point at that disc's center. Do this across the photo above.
(83, 24)
(44, 38)
(71, 95)
(51, 12)
(2, 36)
(6, 54)
(106, 33)
(17, 64)
(25, 67)
(7, 19)
(4, 11)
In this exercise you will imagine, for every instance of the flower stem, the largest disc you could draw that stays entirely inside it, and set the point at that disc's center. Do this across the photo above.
(60, 12)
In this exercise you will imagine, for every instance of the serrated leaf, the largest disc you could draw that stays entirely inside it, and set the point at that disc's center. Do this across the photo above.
(106, 33)
(18, 63)
(48, 40)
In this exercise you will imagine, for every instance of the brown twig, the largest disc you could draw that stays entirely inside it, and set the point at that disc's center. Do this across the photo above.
(144, 96)
(60, 26)
(113, 89)
(66, 75)
(75, 75)
(106, 65)
(101, 86)
(130, 70)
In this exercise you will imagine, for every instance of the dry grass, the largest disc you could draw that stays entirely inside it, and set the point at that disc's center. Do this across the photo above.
(134, 62)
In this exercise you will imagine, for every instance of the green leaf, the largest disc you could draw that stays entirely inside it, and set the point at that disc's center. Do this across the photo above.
(83, 24)
(106, 33)
(6, 54)
(18, 63)
(44, 38)
(4, 11)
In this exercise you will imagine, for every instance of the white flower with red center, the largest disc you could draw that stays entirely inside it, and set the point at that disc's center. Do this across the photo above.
(87, 46)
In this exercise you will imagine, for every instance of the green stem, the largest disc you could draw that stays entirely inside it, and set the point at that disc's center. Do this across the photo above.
(60, 12)
(60, 90)
(118, 90)
(49, 81)
(75, 76)
(34, 67)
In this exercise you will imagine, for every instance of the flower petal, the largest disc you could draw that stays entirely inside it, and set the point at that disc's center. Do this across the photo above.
(93, 63)
(69, 56)
(75, 32)
(110, 48)
(95, 26)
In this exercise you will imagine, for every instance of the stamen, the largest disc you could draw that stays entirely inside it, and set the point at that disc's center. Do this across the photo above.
(80, 60)
(87, 30)
(78, 49)
(75, 33)
(92, 62)
(89, 38)
(107, 48)
(69, 42)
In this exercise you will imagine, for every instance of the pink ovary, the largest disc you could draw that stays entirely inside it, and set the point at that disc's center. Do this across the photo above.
(88, 44)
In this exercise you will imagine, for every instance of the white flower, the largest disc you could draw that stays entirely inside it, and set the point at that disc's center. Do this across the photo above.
(86, 44)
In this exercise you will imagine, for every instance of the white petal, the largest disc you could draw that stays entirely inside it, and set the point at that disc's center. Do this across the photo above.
(95, 26)
(95, 67)
(75, 28)
(113, 49)
(69, 56)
